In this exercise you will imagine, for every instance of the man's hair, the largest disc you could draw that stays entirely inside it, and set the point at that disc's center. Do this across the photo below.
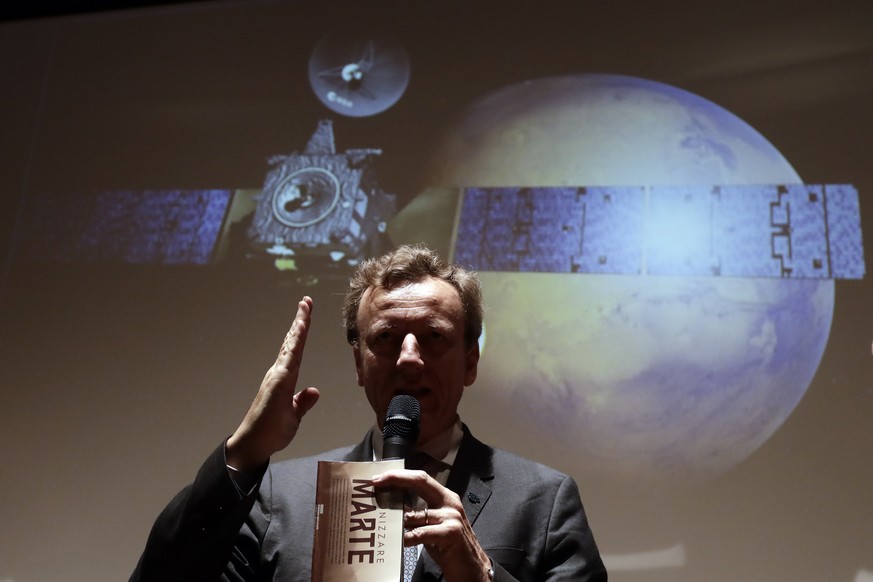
(411, 264)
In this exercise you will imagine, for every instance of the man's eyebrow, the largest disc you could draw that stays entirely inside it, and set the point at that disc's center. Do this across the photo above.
(381, 325)
(439, 323)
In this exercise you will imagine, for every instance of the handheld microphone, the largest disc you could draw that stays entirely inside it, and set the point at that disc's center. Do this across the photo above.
(402, 424)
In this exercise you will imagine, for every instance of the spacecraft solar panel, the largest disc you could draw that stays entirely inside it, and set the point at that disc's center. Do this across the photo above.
(611, 233)
(590, 230)
(844, 231)
(783, 231)
(124, 226)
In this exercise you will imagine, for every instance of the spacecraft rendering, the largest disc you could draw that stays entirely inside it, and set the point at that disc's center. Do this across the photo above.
(323, 209)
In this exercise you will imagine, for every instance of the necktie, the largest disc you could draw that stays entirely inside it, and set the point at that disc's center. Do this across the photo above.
(419, 460)
(410, 559)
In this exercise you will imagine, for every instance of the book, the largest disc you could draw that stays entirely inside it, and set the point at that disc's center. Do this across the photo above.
(358, 528)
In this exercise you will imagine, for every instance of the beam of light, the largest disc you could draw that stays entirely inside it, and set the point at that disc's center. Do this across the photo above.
(672, 557)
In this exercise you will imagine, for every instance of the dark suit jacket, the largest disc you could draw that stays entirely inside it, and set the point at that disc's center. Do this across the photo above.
(528, 518)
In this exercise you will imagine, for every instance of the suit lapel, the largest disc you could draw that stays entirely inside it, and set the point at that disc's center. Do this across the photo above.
(363, 451)
(472, 474)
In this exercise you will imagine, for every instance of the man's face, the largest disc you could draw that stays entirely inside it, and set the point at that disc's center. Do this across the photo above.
(412, 342)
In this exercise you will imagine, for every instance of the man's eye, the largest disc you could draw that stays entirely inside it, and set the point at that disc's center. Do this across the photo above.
(384, 337)
(434, 337)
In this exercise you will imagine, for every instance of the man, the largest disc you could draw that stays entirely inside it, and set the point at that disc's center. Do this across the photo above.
(413, 323)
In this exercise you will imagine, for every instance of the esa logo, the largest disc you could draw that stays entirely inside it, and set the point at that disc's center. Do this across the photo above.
(334, 98)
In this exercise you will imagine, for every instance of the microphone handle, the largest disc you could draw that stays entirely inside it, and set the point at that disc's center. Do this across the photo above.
(396, 447)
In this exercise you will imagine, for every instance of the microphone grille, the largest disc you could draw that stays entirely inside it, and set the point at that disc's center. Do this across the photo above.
(403, 417)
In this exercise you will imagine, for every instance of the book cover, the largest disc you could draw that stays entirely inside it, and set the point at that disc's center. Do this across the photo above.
(358, 529)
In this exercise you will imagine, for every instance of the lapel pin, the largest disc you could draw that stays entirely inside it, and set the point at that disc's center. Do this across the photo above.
(472, 497)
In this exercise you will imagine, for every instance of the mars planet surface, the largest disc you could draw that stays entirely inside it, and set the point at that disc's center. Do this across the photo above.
(658, 377)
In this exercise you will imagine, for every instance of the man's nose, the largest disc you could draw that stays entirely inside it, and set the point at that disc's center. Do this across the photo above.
(410, 353)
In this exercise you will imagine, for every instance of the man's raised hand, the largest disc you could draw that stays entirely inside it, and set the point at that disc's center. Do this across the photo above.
(274, 417)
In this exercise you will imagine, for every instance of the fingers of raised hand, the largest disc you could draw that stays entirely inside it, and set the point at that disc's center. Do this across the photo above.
(296, 336)
(305, 400)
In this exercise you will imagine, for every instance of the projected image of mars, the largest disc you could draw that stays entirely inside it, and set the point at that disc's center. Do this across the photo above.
(659, 280)
(663, 377)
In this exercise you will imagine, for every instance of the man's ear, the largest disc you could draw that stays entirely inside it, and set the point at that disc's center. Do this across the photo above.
(472, 364)
(356, 350)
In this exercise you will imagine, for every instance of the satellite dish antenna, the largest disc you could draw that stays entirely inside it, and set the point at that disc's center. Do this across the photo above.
(357, 74)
